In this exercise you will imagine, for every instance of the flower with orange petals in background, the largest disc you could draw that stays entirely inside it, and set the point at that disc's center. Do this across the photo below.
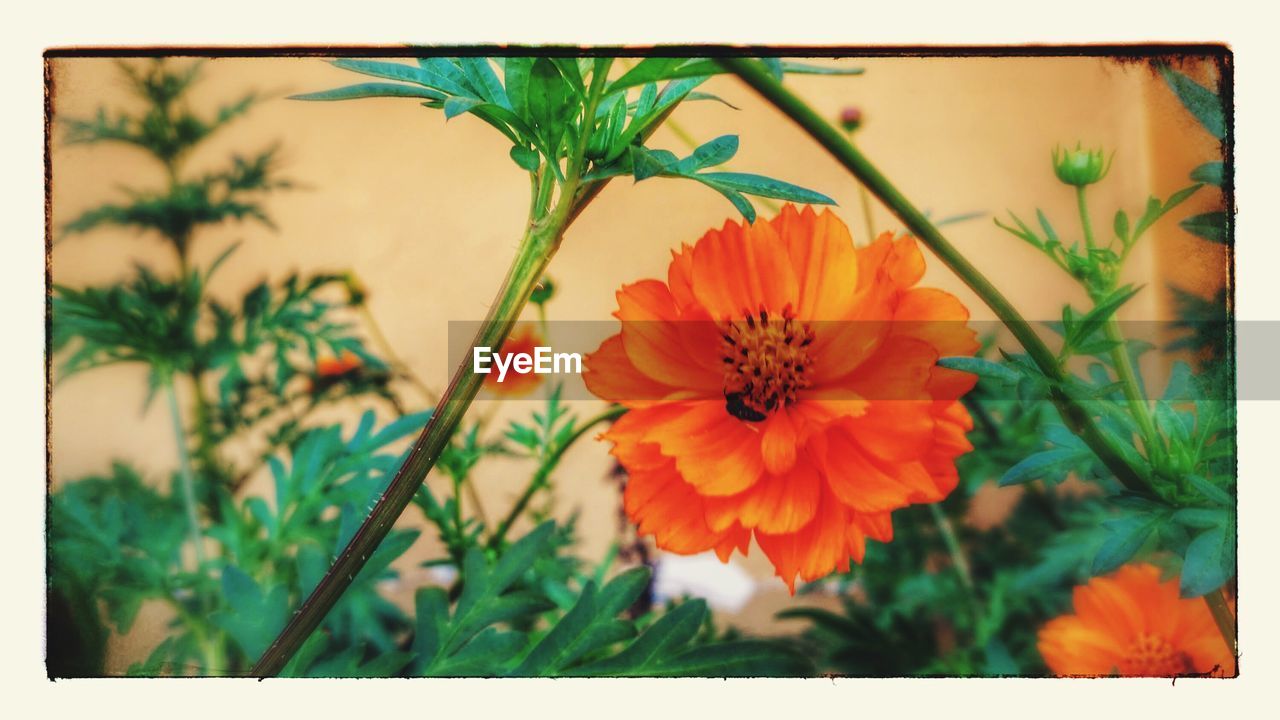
(330, 367)
(524, 340)
(1131, 624)
(330, 371)
(783, 385)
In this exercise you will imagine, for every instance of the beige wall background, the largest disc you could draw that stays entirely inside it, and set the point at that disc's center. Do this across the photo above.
(427, 213)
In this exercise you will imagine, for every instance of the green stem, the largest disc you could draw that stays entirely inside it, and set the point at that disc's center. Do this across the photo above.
(959, 561)
(1077, 419)
(865, 198)
(1224, 618)
(1138, 407)
(948, 533)
(1120, 350)
(1085, 223)
(541, 240)
(187, 477)
(544, 471)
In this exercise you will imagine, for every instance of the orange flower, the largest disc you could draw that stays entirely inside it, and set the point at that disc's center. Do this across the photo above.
(524, 339)
(1131, 624)
(330, 367)
(783, 384)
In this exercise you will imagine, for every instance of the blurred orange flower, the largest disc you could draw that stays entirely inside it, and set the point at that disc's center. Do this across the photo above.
(1131, 624)
(783, 384)
(328, 367)
(524, 339)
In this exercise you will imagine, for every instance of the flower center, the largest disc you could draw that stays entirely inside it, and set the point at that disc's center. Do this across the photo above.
(1153, 656)
(766, 361)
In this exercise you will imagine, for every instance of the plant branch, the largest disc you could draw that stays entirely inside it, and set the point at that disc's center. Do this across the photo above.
(544, 471)
(1225, 619)
(187, 476)
(1073, 414)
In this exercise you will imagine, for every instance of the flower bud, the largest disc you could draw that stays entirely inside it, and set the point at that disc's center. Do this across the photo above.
(1080, 167)
(851, 118)
(543, 291)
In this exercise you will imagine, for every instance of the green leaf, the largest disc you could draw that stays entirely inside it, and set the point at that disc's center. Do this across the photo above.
(1126, 536)
(645, 656)
(646, 163)
(253, 617)
(1121, 226)
(1212, 173)
(1046, 465)
(715, 152)
(981, 368)
(647, 71)
(526, 158)
(1156, 209)
(766, 187)
(1100, 313)
(672, 94)
(1211, 226)
(480, 75)
(655, 69)
(739, 658)
(1202, 102)
(795, 68)
(588, 626)
(550, 99)
(741, 203)
(516, 73)
(455, 106)
(367, 90)
(404, 73)
(1210, 560)
(1211, 492)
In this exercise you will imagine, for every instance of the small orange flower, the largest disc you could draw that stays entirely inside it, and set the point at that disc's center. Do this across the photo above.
(331, 367)
(1131, 624)
(524, 339)
(783, 385)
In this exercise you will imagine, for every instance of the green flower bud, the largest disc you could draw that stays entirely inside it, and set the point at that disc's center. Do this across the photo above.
(1080, 167)
(543, 291)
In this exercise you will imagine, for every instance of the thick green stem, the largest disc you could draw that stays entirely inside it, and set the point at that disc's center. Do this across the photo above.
(1074, 415)
(544, 471)
(1224, 618)
(187, 477)
(540, 242)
